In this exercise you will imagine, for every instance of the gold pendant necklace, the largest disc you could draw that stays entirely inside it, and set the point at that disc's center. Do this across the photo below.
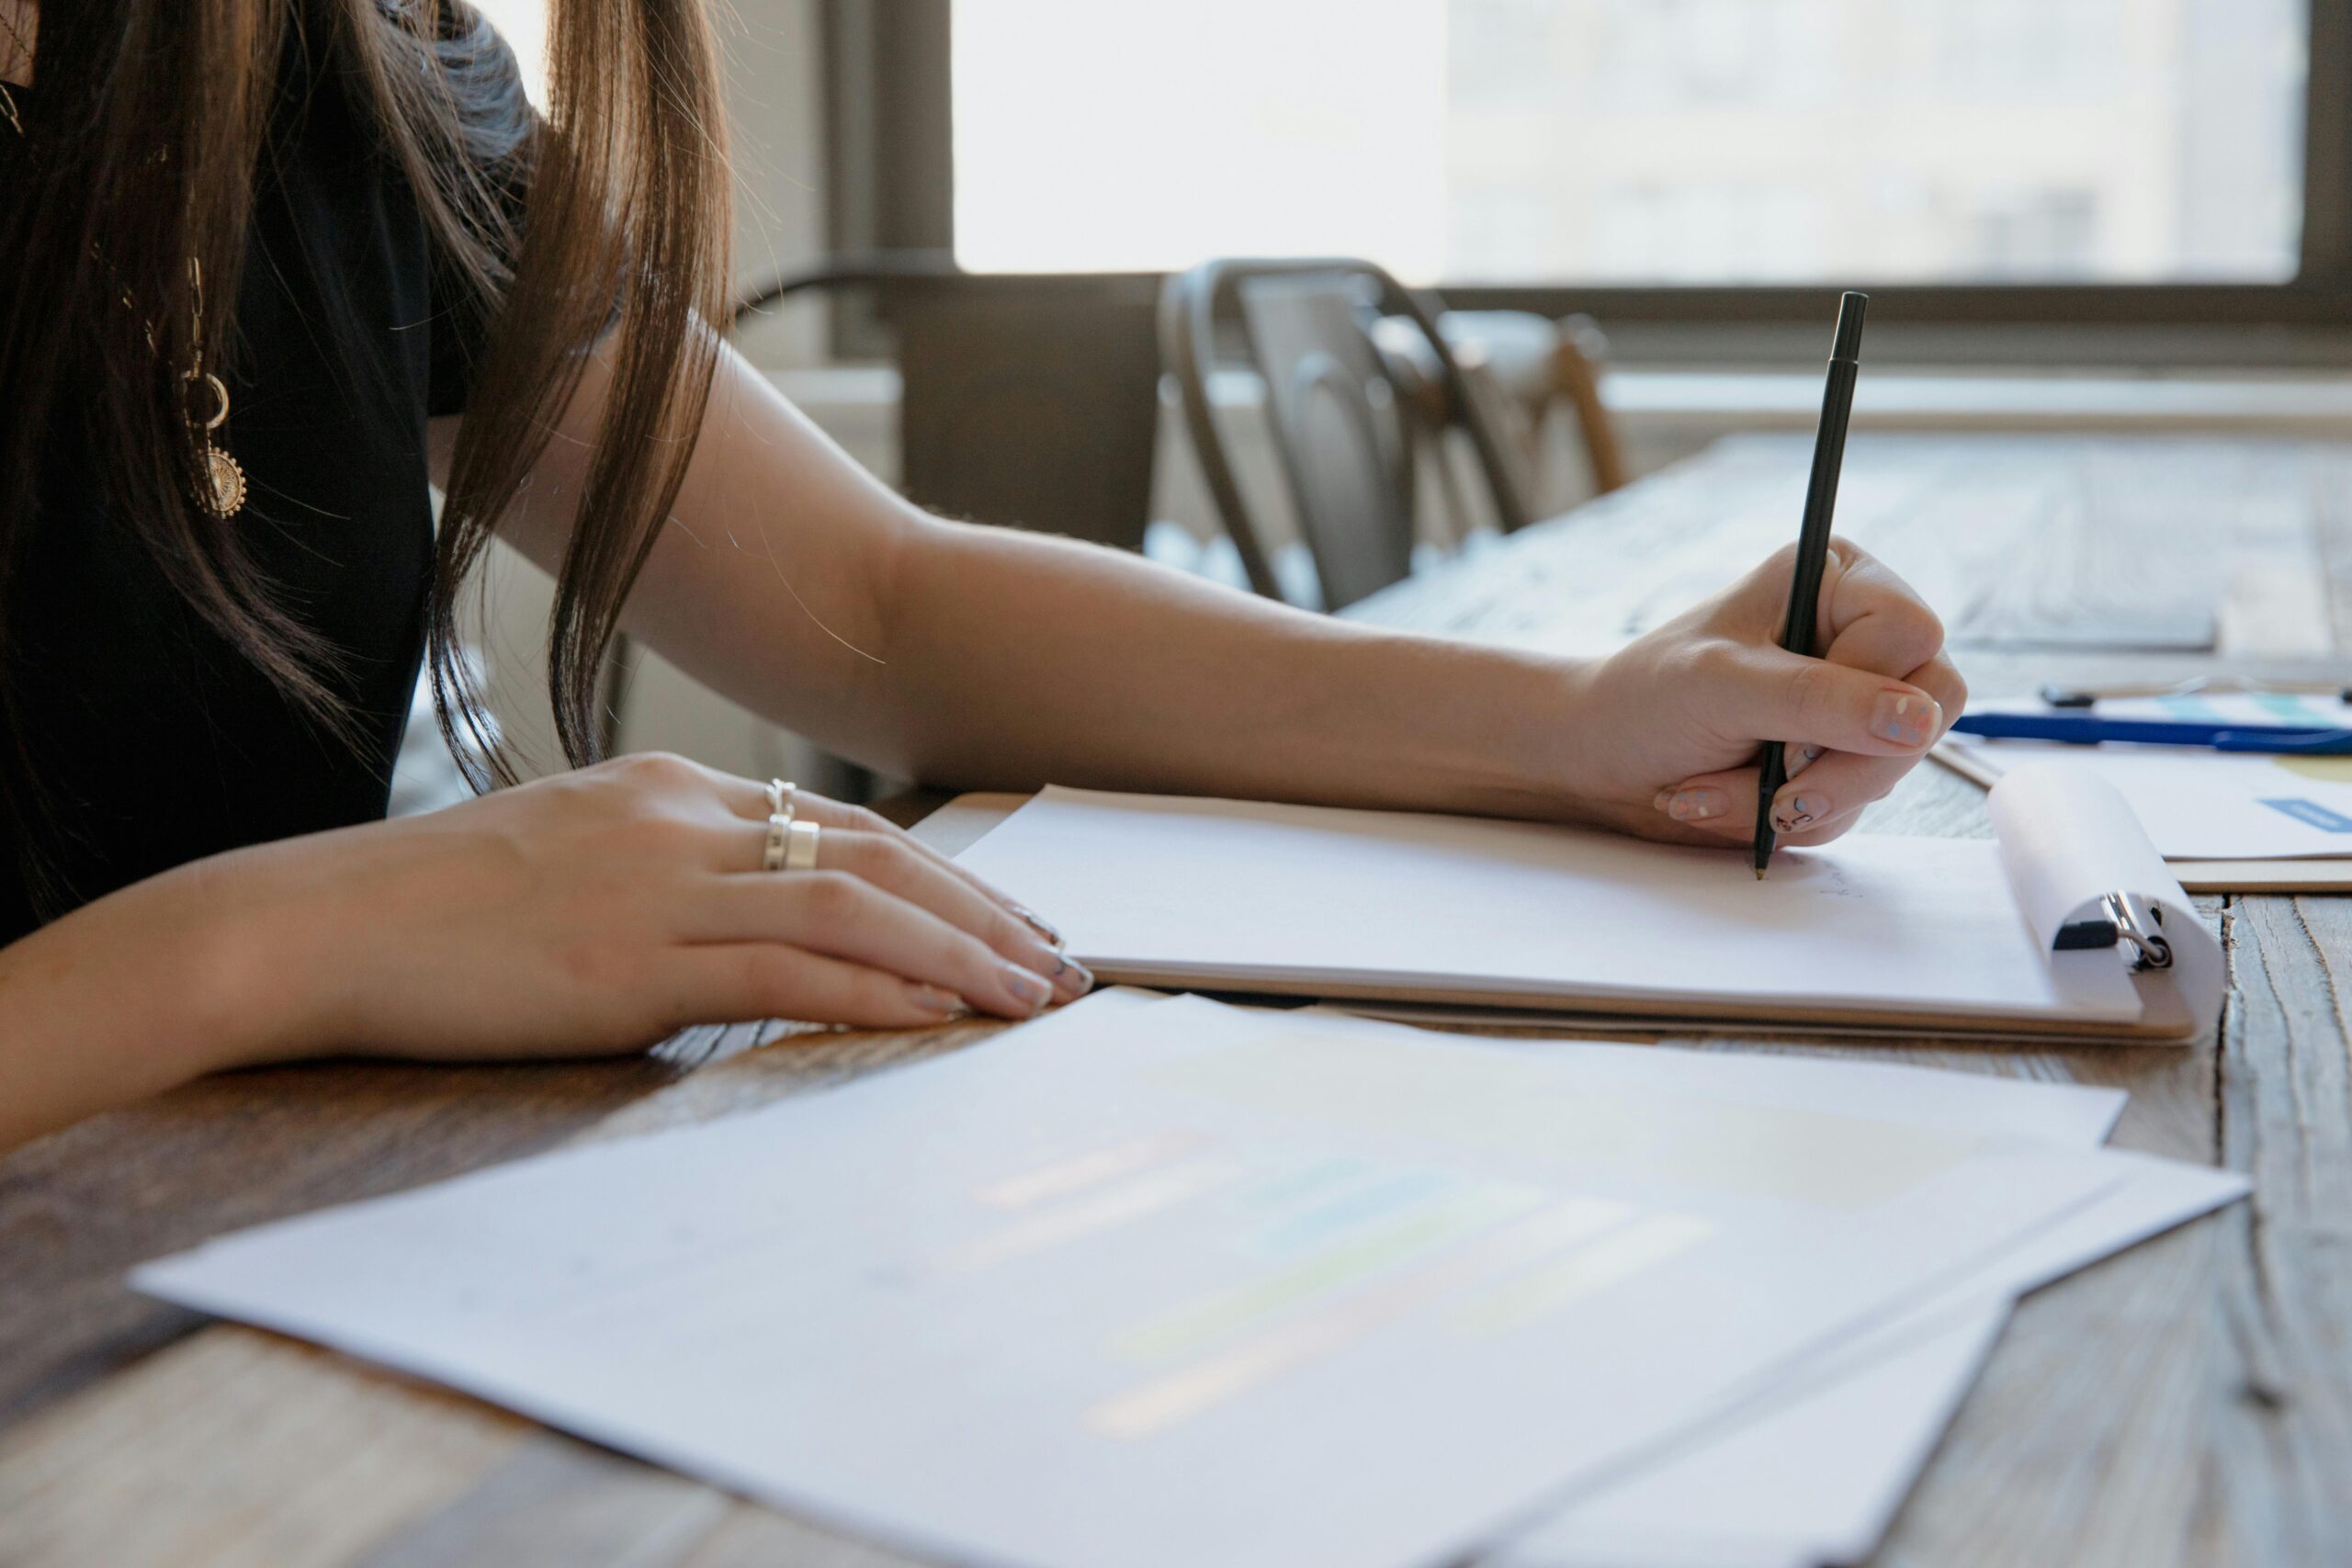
(224, 477)
(224, 493)
(221, 492)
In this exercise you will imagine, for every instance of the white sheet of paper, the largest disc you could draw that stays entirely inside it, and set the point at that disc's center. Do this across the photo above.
(1132, 1287)
(1814, 1470)
(1815, 1475)
(1151, 888)
(2198, 804)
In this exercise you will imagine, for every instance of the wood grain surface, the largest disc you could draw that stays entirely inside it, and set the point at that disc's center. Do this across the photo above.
(2186, 1402)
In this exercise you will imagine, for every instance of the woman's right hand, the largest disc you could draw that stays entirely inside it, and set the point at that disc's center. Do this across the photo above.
(599, 911)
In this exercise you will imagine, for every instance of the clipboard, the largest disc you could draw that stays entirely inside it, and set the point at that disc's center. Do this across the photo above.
(2068, 924)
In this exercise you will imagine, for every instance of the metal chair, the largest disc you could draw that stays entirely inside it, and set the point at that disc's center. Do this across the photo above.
(1338, 402)
(1527, 368)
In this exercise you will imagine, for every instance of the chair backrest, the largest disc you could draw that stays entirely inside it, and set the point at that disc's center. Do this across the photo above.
(1528, 365)
(1342, 448)
(1331, 406)
(1028, 402)
(1032, 402)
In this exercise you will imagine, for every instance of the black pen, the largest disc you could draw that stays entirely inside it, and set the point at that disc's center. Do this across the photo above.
(1813, 541)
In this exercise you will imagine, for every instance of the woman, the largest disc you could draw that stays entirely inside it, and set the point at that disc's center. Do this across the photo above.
(267, 253)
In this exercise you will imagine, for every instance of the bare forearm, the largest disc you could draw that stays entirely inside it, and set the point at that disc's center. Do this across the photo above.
(121, 999)
(795, 584)
(791, 582)
(1016, 659)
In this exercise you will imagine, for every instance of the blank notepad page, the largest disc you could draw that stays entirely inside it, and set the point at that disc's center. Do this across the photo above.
(1175, 888)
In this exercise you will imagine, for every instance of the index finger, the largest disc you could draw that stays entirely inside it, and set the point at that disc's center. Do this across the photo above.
(1871, 619)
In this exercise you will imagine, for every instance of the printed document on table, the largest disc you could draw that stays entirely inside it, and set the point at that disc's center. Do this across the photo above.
(1136, 1287)
(2198, 803)
(1814, 1470)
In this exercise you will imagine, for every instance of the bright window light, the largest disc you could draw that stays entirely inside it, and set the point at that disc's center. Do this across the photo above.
(1094, 136)
(524, 25)
(1638, 141)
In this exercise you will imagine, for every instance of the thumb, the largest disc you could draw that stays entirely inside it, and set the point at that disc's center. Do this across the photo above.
(1784, 697)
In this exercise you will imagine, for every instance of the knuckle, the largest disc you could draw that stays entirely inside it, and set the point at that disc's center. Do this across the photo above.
(656, 771)
(1809, 690)
(869, 821)
(878, 855)
(1705, 663)
(834, 899)
(862, 854)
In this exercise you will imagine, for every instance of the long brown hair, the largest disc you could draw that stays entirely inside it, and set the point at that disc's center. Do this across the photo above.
(153, 116)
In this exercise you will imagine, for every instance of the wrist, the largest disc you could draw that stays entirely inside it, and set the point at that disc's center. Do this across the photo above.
(1508, 737)
(1562, 751)
(133, 994)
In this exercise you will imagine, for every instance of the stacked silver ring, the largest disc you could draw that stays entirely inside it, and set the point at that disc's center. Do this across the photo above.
(781, 807)
(801, 854)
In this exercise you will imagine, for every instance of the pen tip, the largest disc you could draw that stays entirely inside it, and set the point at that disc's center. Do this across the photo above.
(1760, 874)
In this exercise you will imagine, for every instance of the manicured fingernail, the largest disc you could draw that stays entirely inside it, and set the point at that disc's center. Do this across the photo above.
(1037, 923)
(1905, 719)
(1073, 979)
(1032, 991)
(932, 999)
(1799, 811)
(1658, 802)
(1812, 753)
(1697, 804)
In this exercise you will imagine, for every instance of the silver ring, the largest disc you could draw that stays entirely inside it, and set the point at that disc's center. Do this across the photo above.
(781, 807)
(801, 852)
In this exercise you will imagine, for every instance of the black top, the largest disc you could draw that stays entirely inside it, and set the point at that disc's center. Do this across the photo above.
(157, 742)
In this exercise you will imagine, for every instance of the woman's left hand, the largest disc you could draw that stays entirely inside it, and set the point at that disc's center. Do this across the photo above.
(1669, 728)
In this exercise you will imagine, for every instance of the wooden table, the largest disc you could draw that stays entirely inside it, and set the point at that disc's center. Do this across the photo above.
(2189, 1402)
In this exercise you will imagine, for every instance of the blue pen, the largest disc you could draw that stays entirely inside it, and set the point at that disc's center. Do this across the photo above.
(2080, 728)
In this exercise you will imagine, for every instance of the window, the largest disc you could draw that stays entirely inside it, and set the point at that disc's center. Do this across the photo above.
(1641, 142)
(524, 25)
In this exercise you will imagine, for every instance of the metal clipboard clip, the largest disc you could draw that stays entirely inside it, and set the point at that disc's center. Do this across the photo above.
(2125, 920)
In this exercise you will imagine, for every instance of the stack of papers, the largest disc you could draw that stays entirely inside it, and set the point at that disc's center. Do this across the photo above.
(1161, 1282)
